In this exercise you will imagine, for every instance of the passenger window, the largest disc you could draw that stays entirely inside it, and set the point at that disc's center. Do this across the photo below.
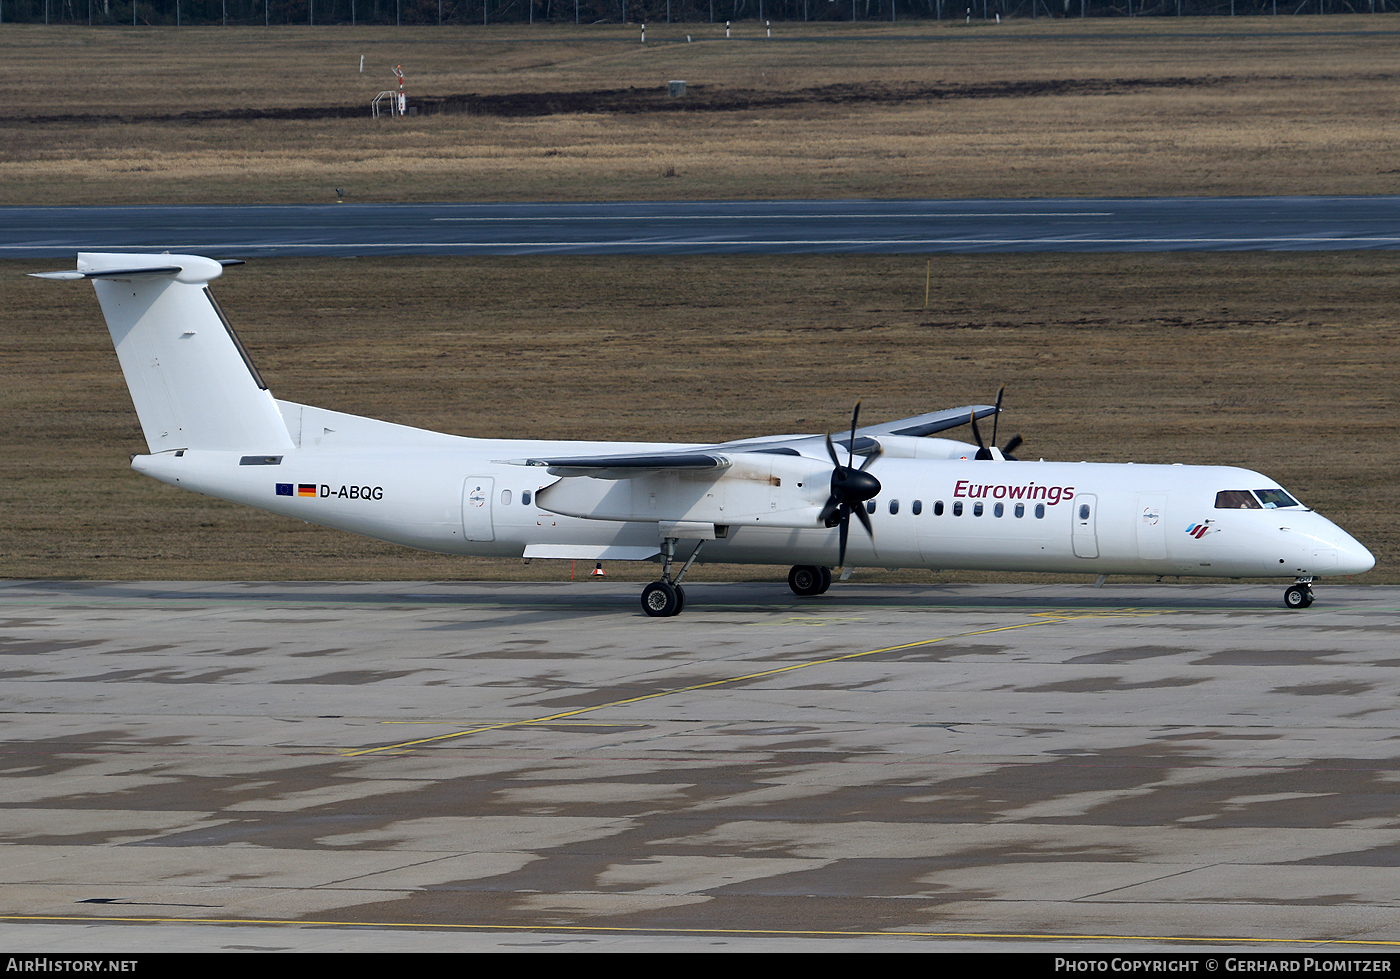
(938, 509)
(1236, 500)
(1040, 511)
(918, 507)
(1020, 510)
(1083, 511)
(977, 509)
(870, 507)
(999, 509)
(505, 497)
(894, 507)
(524, 497)
(957, 508)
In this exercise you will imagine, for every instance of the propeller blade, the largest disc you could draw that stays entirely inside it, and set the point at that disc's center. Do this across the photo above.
(850, 488)
(865, 520)
(845, 532)
(982, 451)
(1015, 443)
(831, 451)
(871, 458)
(997, 417)
(851, 446)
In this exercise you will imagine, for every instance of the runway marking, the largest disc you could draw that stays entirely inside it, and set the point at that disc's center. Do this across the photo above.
(1041, 618)
(1074, 614)
(1296, 242)
(779, 216)
(819, 620)
(617, 929)
(637, 724)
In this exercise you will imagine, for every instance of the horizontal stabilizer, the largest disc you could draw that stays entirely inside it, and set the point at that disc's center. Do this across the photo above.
(186, 268)
(109, 273)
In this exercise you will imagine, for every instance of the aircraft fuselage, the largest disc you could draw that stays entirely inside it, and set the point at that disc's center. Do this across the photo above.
(953, 514)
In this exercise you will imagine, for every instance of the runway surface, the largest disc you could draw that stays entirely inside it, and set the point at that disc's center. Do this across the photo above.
(705, 227)
(525, 766)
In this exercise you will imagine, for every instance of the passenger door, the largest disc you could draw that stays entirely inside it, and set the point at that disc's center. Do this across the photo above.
(1152, 526)
(1086, 541)
(476, 508)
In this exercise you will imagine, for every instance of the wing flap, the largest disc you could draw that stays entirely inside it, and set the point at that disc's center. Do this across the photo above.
(591, 552)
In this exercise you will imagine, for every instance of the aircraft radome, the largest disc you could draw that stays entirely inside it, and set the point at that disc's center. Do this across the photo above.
(213, 427)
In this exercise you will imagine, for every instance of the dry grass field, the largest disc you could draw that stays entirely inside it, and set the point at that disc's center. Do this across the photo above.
(1259, 105)
(1279, 362)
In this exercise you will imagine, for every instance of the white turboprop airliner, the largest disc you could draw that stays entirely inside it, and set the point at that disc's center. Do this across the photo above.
(214, 428)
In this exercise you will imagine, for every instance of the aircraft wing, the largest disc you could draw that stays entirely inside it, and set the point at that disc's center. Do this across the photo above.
(927, 424)
(715, 459)
(867, 437)
(632, 466)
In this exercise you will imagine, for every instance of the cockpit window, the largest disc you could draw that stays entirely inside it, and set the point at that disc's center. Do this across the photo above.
(1266, 499)
(1236, 500)
(1274, 498)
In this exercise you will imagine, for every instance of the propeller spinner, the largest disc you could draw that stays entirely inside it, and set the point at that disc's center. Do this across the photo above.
(850, 488)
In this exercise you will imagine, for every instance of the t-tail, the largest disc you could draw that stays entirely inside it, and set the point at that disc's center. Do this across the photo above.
(191, 381)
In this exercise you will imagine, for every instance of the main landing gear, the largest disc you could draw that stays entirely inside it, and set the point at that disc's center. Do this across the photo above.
(1299, 594)
(664, 598)
(805, 579)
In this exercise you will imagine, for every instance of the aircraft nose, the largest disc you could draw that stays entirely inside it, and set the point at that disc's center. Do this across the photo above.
(1352, 556)
(1320, 547)
(1355, 558)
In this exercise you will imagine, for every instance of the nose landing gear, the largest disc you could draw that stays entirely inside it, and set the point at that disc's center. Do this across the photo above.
(1299, 594)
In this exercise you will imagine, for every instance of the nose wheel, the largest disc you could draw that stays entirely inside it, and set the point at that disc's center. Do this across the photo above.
(1298, 595)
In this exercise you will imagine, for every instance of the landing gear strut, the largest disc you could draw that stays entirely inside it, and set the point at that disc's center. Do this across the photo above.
(664, 598)
(1299, 594)
(806, 579)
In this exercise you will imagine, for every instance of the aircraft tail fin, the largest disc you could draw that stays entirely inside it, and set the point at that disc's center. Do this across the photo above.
(192, 382)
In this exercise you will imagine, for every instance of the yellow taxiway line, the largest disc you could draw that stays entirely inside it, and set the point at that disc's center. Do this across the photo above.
(755, 932)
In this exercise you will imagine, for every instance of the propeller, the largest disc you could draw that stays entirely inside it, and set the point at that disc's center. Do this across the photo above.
(983, 452)
(850, 488)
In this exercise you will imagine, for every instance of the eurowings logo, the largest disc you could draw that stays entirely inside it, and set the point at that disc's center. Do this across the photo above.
(1199, 530)
(998, 491)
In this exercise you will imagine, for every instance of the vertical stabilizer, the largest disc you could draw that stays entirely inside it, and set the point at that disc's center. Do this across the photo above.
(193, 384)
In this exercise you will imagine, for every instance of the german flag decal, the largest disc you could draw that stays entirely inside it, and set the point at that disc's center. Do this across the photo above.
(306, 489)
